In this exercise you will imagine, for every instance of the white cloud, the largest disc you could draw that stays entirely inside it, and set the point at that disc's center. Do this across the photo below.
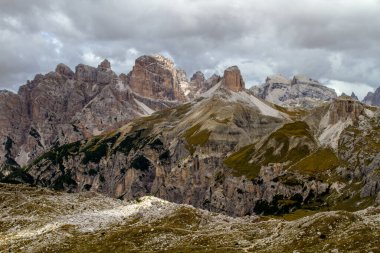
(261, 37)
(360, 89)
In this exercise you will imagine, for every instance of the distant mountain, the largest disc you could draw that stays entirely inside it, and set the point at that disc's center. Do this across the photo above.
(372, 98)
(301, 91)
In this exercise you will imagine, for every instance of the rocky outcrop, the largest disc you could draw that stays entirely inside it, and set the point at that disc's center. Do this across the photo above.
(301, 91)
(372, 98)
(64, 70)
(343, 109)
(155, 77)
(353, 96)
(232, 79)
(198, 80)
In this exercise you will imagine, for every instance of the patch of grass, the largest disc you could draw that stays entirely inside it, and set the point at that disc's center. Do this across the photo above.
(56, 155)
(194, 137)
(98, 147)
(133, 141)
(239, 162)
(296, 129)
(276, 149)
(320, 161)
(182, 110)
(295, 113)
(297, 214)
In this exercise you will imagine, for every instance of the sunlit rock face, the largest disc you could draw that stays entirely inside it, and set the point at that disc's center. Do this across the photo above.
(232, 79)
(155, 77)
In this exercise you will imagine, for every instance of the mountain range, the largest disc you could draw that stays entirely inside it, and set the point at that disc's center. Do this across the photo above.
(286, 147)
(212, 143)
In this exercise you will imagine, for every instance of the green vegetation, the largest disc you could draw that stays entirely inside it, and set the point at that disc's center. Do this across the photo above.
(137, 140)
(56, 155)
(240, 162)
(194, 137)
(297, 214)
(294, 113)
(319, 161)
(98, 147)
(276, 149)
(294, 129)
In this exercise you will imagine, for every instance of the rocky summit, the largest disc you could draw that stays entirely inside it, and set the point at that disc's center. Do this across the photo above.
(301, 91)
(372, 98)
(153, 158)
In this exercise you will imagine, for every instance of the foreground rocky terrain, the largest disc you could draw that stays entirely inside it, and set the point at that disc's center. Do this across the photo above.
(40, 220)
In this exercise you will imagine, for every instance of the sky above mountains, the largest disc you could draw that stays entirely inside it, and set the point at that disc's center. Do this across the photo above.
(334, 41)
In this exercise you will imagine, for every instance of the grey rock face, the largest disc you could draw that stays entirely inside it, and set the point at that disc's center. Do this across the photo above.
(372, 98)
(64, 70)
(62, 107)
(301, 91)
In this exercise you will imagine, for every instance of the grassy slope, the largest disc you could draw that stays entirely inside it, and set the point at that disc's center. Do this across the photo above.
(241, 161)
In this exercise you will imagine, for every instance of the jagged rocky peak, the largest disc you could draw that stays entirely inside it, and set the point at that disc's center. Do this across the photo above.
(64, 70)
(198, 77)
(353, 95)
(212, 80)
(372, 98)
(101, 75)
(233, 80)
(198, 80)
(156, 77)
(181, 76)
(104, 65)
(85, 73)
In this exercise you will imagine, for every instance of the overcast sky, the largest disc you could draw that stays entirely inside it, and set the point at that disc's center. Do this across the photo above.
(334, 41)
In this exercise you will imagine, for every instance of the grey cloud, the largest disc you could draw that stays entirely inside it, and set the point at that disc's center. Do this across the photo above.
(331, 40)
